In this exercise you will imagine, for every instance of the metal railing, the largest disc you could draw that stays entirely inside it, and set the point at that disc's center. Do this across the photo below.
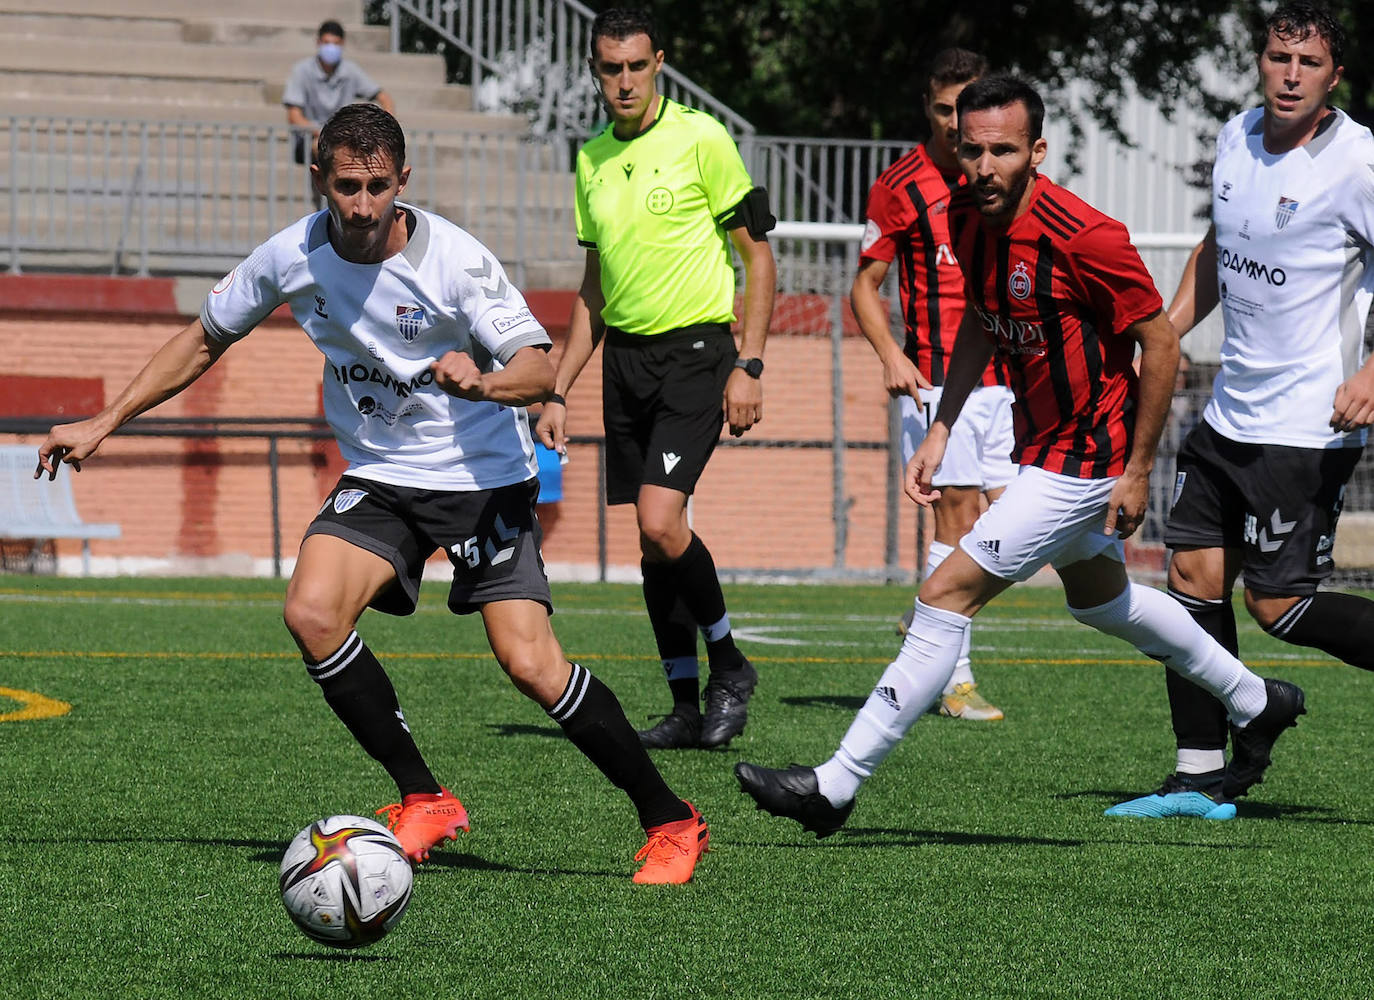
(530, 56)
(131, 195)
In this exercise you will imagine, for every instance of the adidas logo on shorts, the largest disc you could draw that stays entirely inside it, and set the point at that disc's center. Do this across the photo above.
(889, 695)
(992, 548)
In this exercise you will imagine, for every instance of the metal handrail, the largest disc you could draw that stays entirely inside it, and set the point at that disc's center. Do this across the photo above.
(540, 43)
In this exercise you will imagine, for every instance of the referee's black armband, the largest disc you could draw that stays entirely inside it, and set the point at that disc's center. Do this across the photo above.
(752, 213)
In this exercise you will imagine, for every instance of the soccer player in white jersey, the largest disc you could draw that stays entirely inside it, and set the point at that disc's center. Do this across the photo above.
(430, 356)
(1261, 478)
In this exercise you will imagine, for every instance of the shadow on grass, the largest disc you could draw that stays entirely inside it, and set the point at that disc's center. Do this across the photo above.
(524, 729)
(849, 702)
(330, 956)
(471, 862)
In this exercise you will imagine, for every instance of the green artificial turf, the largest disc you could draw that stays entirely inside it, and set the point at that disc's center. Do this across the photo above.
(140, 832)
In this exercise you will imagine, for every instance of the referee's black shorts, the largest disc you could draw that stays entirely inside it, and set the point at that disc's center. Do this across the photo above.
(662, 400)
(1277, 504)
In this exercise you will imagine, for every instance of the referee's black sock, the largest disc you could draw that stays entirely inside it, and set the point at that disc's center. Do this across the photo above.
(358, 690)
(674, 632)
(592, 718)
(1339, 624)
(1199, 718)
(699, 586)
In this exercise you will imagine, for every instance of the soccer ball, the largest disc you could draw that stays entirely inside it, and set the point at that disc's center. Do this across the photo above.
(345, 881)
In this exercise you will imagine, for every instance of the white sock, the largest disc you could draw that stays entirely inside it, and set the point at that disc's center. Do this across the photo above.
(963, 669)
(908, 687)
(1191, 761)
(1160, 627)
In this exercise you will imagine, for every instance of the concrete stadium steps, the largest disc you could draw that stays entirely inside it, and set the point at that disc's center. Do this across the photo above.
(309, 12)
(296, 36)
(139, 108)
(54, 54)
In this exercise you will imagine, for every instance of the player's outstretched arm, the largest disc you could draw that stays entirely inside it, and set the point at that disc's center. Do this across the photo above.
(1158, 342)
(743, 400)
(526, 378)
(585, 330)
(900, 376)
(1197, 293)
(967, 362)
(177, 364)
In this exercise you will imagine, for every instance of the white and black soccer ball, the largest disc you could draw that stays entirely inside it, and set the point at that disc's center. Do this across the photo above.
(345, 881)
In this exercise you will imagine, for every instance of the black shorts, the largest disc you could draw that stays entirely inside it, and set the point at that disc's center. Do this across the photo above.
(662, 399)
(1277, 504)
(491, 536)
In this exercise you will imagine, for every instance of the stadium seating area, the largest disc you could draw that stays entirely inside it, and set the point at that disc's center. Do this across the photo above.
(70, 65)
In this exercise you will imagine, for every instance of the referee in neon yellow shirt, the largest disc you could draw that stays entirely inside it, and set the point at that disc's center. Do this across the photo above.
(661, 195)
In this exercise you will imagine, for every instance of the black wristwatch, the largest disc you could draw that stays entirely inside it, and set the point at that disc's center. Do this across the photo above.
(753, 367)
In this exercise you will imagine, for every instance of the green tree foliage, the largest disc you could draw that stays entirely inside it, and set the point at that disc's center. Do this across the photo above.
(852, 68)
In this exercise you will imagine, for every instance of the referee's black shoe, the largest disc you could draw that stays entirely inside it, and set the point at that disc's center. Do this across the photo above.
(792, 794)
(1251, 744)
(727, 697)
(679, 730)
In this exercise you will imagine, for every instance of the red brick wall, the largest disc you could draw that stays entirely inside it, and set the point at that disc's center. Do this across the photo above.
(766, 509)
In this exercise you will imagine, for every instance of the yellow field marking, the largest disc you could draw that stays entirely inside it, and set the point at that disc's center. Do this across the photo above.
(36, 706)
(1016, 661)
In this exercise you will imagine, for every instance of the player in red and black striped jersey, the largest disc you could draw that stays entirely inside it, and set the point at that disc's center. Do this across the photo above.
(907, 222)
(1057, 290)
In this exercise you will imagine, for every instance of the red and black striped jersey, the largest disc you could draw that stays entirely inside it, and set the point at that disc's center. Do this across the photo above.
(1056, 291)
(907, 220)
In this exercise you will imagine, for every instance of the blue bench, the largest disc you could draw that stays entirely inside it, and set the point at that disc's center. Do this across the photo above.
(41, 510)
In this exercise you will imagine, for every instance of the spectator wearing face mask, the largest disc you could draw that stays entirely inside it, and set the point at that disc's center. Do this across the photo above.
(322, 84)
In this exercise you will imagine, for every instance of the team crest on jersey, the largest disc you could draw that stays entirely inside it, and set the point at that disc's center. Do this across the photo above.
(1019, 283)
(1285, 211)
(346, 500)
(410, 319)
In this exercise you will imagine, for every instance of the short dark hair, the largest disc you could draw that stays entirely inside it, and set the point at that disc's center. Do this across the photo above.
(999, 90)
(954, 66)
(366, 131)
(330, 28)
(1297, 22)
(621, 23)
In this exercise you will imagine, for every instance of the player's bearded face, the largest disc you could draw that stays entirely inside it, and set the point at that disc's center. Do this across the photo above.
(627, 70)
(1297, 75)
(998, 157)
(361, 195)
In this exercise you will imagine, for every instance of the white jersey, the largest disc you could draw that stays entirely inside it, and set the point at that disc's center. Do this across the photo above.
(1294, 233)
(380, 326)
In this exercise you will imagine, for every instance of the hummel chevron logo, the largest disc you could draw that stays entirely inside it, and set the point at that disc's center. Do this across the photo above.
(992, 548)
(1275, 530)
(888, 695)
(400, 717)
(497, 556)
(496, 291)
(670, 461)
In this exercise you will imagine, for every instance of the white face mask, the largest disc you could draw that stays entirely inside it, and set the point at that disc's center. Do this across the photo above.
(329, 53)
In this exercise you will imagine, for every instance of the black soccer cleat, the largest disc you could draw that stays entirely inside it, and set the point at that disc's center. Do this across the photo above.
(1250, 745)
(792, 794)
(679, 730)
(727, 697)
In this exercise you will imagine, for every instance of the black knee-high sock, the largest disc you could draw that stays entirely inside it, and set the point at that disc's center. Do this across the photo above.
(358, 690)
(1339, 624)
(1199, 717)
(697, 582)
(674, 632)
(593, 719)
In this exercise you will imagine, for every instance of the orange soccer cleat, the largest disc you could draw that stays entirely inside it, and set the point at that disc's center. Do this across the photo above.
(425, 820)
(671, 854)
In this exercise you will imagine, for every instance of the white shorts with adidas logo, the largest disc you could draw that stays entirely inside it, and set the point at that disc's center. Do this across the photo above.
(1043, 518)
(980, 443)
